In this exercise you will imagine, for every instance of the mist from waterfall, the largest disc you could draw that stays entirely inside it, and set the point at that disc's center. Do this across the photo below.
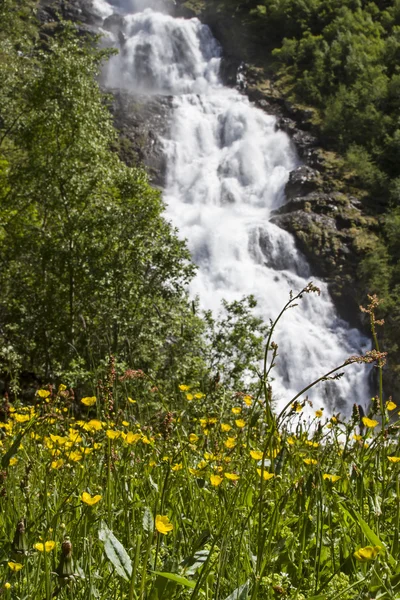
(227, 169)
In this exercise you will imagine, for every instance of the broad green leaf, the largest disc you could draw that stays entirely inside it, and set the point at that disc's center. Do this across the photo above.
(148, 521)
(115, 552)
(177, 578)
(194, 562)
(241, 593)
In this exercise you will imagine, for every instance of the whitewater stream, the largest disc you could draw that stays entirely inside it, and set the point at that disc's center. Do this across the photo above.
(227, 166)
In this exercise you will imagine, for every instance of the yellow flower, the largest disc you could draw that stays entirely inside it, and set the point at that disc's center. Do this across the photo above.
(75, 456)
(57, 464)
(256, 454)
(331, 478)
(367, 553)
(93, 425)
(7, 585)
(46, 547)
(14, 566)
(184, 388)
(199, 395)
(193, 438)
(177, 467)
(21, 418)
(369, 422)
(266, 475)
(89, 400)
(57, 439)
(230, 443)
(132, 438)
(225, 427)
(62, 387)
(112, 434)
(247, 400)
(90, 500)
(391, 405)
(297, 406)
(131, 400)
(394, 459)
(236, 410)
(146, 440)
(357, 437)
(163, 524)
(216, 480)
(310, 461)
(240, 423)
(232, 476)
(318, 413)
(43, 393)
(189, 397)
(74, 436)
(291, 440)
(13, 461)
(125, 423)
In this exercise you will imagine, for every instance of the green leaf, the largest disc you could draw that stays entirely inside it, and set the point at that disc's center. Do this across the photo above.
(177, 578)
(195, 561)
(148, 521)
(115, 552)
(241, 593)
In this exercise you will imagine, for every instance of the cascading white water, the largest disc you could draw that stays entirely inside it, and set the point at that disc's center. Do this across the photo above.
(227, 169)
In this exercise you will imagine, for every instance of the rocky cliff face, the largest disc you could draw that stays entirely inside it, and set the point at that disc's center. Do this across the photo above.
(323, 213)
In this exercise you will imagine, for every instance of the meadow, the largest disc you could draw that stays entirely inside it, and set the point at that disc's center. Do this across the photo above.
(134, 493)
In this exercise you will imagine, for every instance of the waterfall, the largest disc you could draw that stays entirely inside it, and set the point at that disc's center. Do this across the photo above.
(227, 166)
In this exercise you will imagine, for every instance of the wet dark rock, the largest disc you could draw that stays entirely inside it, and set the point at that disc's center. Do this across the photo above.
(302, 181)
(141, 122)
(78, 11)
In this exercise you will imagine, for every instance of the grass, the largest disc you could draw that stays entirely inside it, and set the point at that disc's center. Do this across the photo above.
(202, 493)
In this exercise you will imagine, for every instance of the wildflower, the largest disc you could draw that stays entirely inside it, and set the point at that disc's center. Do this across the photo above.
(21, 418)
(89, 400)
(132, 438)
(256, 454)
(90, 500)
(199, 395)
(14, 566)
(131, 400)
(112, 434)
(247, 400)
(58, 439)
(7, 585)
(297, 406)
(330, 477)
(177, 467)
(209, 456)
(62, 387)
(57, 464)
(225, 427)
(146, 440)
(13, 461)
(94, 425)
(163, 524)
(357, 437)
(189, 397)
(318, 413)
(216, 480)
(394, 459)
(75, 456)
(43, 393)
(193, 438)
(230, 443)
(266, 475)
(333, 420)
(184, 388)
(369, 422)
(291, 440)
(391, 405)
(236, 410)
(240, 423)
(367, 553)
(232, 476)
(46, 547)
(310, 461)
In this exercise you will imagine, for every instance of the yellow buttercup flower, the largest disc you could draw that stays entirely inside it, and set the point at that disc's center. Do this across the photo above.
(7, 585)
(43, 393)
(240, 423)
(89, 400)
(193, 438)
(13, 461)
(247, 400)
(367, 553)
(189, 397)
(266, 475)
(226, 427)
(177, 467)
(184, 388)
(230, 443)
(163, 524)
(216, 480)
(46, 547)
(357, 437)
(256, 454)
(90, 500)
(75, 456)
(199, 395)
(318, 413)
(232, 476)
(112, 434)
(371, 423)
(394, 459)
(391, 405)
(132, 438)
(330, 477)
(310, 461)
(14, 566)
(57, 464)
(236, 410)
(21, 418)
(62, 387)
